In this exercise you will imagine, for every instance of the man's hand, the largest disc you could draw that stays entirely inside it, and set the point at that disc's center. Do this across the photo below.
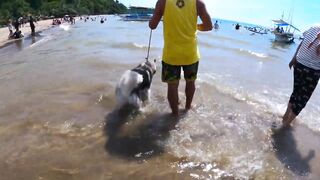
(293, 62)
(157, 15)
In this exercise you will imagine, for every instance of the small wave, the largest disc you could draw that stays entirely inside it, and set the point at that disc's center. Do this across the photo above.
(41, 41)
(12, 63)
(94, 42)
(225, 38)
(256, 54)
(236, 50)
(65, 27)
(207, 45)
(132, 46)
(269, 101)
(262, 100)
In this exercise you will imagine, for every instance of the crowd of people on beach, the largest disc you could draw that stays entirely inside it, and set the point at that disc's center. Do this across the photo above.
(18, 24)
(65, 19)
(14, 27)
(87, 18)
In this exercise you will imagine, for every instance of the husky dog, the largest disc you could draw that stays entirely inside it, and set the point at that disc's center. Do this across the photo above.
(134, 85)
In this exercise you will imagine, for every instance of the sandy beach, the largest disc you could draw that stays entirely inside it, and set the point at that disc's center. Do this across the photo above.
(40, 26)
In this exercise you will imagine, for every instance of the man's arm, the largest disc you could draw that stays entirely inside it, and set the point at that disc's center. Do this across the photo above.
(318, 46)
(157, 15)
(293, 62)
(204, 16)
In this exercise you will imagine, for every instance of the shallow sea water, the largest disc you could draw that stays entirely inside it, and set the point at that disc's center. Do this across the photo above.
(58, 118)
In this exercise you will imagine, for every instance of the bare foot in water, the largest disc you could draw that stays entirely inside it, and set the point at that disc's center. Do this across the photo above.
(287, 120)
(276, 127)
(191, 107)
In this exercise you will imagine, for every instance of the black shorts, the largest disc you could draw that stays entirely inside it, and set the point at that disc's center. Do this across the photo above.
(305, 82)
(172, 73)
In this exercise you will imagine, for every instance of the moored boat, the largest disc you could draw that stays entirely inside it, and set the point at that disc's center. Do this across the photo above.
(284, 32)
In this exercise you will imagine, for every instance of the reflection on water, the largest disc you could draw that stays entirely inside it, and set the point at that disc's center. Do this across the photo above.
(19, 44)
(33, 38)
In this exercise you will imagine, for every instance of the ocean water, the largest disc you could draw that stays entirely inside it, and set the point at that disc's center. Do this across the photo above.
(58, 118)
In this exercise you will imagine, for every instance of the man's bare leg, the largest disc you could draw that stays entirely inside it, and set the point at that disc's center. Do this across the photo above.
(173, 97)
(286, 114)
(190, 90)
(288, 117)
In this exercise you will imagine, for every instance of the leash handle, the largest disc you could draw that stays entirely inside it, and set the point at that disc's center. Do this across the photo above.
(147, 58)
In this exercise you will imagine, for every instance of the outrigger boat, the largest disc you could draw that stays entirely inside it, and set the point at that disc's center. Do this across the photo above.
(138, 14)
(283, 31)
(136, 17)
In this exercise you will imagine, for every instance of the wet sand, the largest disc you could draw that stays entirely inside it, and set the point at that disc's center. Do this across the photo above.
(26, 30)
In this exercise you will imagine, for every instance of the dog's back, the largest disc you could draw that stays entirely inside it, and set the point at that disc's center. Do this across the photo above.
(134, 85)
(128, 82)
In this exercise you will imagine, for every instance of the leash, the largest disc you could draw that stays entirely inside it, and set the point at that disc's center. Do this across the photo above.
(147, 58)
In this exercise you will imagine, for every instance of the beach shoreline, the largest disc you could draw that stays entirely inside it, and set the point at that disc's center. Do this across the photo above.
(26, 30)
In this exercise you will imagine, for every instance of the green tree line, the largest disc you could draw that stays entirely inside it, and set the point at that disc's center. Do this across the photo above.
(12, 9)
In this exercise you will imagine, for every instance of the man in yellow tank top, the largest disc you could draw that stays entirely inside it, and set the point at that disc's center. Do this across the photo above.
(180, 44)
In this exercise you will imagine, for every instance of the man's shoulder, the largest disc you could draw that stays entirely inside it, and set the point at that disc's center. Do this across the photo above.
(162, 2)
(200, 2)
(314, 29)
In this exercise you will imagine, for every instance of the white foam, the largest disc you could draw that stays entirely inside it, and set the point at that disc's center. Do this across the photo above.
(259, 55)
(65, 27)
(269, 100)
(139, 45)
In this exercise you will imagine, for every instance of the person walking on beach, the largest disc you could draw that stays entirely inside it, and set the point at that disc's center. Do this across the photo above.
(306, 63)
(10, 29)
(180, 44)
(32, 26)
(16, 25)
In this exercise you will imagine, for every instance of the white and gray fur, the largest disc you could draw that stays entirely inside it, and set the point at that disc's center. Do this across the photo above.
(134, 85)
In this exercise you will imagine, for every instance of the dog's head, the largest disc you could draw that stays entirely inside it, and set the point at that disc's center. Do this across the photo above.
(151, 65)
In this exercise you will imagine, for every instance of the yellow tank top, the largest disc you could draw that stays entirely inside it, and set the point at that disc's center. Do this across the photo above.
(180, 32)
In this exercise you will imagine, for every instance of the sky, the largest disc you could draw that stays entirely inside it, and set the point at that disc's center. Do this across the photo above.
(305, 13)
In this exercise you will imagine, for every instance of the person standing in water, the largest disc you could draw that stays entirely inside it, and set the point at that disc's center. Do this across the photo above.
(32, 26)
(237, 26)
(306, 63)
(16, 25)
(216, 25)
(10, 29)
(180, 45)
